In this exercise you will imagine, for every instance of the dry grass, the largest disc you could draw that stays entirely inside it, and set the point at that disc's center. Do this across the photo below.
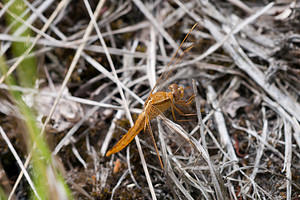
(97, 63)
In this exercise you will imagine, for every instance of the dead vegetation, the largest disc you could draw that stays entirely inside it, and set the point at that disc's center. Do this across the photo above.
(97, 62)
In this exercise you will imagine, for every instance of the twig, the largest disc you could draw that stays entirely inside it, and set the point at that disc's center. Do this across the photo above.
(118, 184)
(245, 64)
(288, 159)
(260, 152)
(150, 17)
(110, 132)
(129, 168)
(45, 27)
(51, 18)
(220, 121)
(241, 5)
(23, 168)
(125, 104)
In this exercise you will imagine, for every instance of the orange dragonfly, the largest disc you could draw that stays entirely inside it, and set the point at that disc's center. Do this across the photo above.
(155, 105)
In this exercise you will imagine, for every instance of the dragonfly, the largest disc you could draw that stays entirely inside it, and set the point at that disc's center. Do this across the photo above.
(156, 104)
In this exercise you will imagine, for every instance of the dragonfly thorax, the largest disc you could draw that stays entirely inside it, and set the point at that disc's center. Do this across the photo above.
(178, 92)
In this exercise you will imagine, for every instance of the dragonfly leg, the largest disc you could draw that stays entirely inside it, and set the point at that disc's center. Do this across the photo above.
(172, 110)
(185, 103)
(173, 107)
(180, 112)
(147, 124)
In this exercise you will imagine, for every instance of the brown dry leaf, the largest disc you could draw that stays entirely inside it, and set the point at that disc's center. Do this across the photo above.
(233, 103)
(66, 114)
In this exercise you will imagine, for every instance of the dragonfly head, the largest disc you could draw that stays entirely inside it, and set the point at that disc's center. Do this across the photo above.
(178, 92)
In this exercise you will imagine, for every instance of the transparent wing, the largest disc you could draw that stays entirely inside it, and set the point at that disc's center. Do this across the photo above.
(174, 60)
